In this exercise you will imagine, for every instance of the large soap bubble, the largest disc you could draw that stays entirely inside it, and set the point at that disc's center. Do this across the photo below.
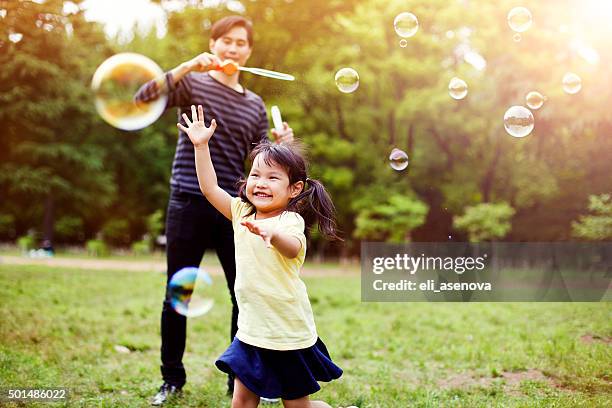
(116, 82)
(190, 292)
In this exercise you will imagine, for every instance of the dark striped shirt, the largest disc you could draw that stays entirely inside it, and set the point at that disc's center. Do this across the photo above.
(242, 122)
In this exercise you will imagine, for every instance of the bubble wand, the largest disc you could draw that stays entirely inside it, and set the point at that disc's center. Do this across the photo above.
(230, 67)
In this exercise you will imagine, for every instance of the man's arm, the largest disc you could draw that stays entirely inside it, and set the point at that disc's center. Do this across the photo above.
(154, 88)
(202, 63)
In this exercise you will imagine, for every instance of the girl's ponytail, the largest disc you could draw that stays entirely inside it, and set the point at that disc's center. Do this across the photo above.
(316, 206)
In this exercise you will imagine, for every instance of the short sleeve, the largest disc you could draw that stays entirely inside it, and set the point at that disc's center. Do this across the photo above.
(293, 224)
(239, 209)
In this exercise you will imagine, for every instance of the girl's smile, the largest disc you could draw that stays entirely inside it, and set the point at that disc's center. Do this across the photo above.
(268, 188)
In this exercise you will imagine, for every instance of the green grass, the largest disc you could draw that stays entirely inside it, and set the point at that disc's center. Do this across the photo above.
(59, 328)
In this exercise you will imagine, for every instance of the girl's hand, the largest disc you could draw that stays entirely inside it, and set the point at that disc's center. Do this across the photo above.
(197, 131)
(265, 233)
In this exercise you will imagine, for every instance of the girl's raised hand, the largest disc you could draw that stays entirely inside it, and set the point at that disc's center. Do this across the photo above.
(197, 131)
(265, 233)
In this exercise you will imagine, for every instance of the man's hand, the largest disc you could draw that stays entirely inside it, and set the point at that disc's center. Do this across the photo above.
(203, 62)
(265, 233)
(283, 136)
(197, 131)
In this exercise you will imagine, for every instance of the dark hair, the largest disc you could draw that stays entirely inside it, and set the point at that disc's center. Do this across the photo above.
(225, 25)
(314, 203)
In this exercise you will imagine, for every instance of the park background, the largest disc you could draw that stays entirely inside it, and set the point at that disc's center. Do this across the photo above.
(67, 175)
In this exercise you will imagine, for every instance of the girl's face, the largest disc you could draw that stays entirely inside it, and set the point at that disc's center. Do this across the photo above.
(268, 188)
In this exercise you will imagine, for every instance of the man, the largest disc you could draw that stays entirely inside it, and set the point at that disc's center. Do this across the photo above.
(192, 224)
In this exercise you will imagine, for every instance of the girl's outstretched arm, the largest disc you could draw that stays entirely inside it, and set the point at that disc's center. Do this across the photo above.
(286, 244)
(199, 135)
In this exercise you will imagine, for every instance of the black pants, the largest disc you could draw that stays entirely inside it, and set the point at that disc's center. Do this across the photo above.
(192, 226)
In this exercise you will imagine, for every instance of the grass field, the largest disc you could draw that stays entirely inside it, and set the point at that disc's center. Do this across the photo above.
(60, 328)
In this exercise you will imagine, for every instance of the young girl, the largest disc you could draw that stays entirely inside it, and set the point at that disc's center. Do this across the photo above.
(276, 351)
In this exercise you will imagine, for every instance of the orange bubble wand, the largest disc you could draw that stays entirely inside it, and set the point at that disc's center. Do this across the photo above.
(229, 67)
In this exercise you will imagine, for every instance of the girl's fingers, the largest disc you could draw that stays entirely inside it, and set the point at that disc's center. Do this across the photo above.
(194, 114)
(183, 128)
(200, 113)
(186, 119)
(213, 124)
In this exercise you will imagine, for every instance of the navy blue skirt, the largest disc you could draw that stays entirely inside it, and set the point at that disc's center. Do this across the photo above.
(288, 374)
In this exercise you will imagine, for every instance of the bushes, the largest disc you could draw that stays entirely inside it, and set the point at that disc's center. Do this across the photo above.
(26, 242)
(97, 247)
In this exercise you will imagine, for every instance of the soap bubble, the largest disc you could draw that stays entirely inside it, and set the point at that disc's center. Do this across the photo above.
(403, 43)
(572, 84)
(517, 37)
(116, 82)
(347, 80)
(398, 159)
(534, 100)
(190, 292)
(406, 24)
(15, 37)
(518, 121)
(457, 88)
(519, 19)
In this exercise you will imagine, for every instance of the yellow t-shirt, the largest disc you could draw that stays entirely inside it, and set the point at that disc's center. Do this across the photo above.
(274, 310)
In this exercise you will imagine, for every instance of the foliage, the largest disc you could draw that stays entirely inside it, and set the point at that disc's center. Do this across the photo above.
(97, 247)
(485, 222)
(391, 220)
(597, 226)
(26, 242)
(69, 229)
(116, 232)
(7, 226)
(58, 157)
(142, 247)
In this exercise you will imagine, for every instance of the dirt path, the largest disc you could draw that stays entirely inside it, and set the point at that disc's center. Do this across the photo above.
(153, 265)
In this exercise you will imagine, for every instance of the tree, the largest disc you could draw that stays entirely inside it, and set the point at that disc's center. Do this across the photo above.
(486, 221)
(597, 226)
(48, 162)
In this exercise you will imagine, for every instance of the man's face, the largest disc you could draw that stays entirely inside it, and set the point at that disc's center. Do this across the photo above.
(232, 45)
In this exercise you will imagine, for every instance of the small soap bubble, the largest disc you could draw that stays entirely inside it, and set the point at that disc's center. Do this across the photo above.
(406, 24)
(15, 37)
(398, 159)
(347, 80)
(190, 292)
(572, 84)
(534, 100)
(403, 43)
(457, 88)
(517, 37)
(519, 19)
(518, 121)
